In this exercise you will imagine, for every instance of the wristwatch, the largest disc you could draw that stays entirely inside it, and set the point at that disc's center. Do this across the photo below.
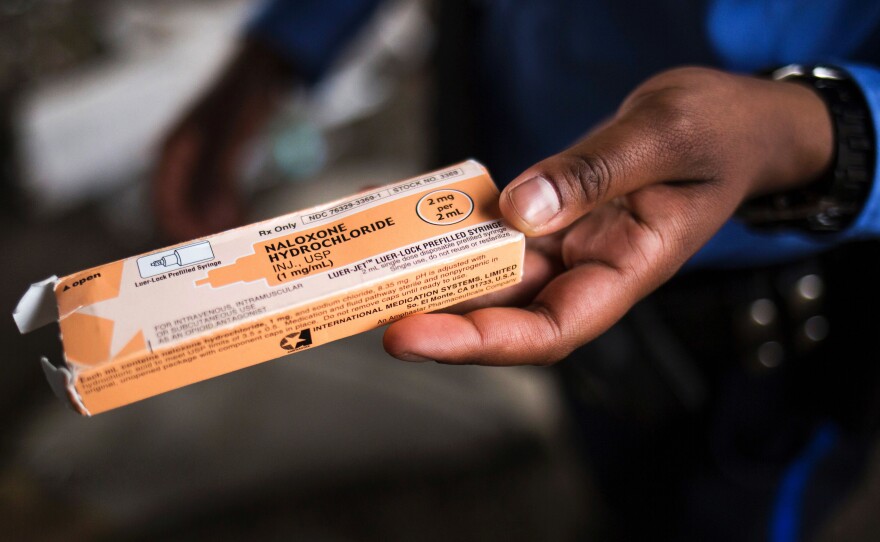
(832, 202)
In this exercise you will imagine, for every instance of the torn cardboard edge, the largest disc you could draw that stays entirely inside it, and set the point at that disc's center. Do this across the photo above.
(37, 306)
(61, 381)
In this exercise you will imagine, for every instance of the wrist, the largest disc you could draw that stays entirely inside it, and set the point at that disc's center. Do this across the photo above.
(802, 147)
(832, 200)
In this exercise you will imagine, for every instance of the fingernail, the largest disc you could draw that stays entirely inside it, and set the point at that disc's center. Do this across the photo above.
(409, 356)
(535, 201)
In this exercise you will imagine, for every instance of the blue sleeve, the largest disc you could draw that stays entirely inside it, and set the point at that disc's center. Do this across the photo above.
(868, 222)
(310, 33)
(735, 245)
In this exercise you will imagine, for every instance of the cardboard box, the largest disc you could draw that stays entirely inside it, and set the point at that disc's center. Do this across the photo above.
(159, 321)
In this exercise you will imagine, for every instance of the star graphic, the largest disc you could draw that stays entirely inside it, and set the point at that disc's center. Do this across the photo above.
(119, 310)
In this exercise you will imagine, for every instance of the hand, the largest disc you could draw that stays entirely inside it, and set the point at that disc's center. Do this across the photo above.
(618, 213)
(194, 187)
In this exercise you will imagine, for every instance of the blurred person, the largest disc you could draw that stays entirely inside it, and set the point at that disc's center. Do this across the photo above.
(662, 159)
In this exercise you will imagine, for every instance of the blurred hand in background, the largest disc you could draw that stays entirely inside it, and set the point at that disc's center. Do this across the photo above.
(195, 191)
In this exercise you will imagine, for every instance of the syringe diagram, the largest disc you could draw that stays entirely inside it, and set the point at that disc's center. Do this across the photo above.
(162, 262)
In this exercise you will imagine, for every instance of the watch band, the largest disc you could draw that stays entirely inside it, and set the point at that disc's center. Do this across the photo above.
(831, 203)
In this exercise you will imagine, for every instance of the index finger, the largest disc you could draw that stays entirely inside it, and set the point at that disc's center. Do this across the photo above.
(573, 309)
(601, 284)
(614, 255)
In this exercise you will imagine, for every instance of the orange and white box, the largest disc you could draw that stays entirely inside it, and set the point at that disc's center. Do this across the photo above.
(142, 326)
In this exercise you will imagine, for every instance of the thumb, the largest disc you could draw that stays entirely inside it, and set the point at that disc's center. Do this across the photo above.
(620, 157)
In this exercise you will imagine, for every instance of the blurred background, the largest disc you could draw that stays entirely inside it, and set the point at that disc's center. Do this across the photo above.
(340, 443)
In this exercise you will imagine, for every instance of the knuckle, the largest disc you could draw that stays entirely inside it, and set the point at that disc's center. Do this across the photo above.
(582, 178)
(554, 342)
(685, 77)
(677, 112)
(551, 356)
(681, 107)
(680, 121)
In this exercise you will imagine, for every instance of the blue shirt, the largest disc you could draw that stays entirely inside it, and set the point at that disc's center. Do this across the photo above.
(551, 69)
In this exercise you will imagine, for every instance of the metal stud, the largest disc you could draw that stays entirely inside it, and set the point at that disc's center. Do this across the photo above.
(816, 328)
(771, 354)
(762, 311)
(810, 287)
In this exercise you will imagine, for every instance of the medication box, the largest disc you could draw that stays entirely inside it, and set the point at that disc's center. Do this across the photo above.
(159, 321)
